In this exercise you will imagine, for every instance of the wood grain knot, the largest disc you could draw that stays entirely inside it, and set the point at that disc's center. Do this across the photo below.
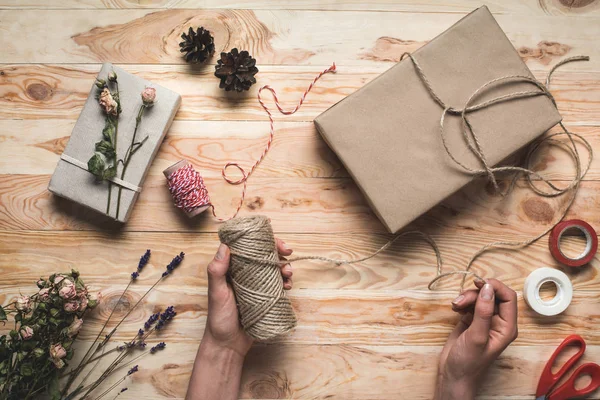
(39, 91)
(576, 3)
(388, 48)
(256, 203)
(545, 52)
(270, 386)
(112, 299)
(538, 210)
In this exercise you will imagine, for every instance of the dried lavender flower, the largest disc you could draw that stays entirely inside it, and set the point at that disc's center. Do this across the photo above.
(159, 346)
(144, 260)
(153, 318)
(174, 264)
(166, 316)
(133, 370)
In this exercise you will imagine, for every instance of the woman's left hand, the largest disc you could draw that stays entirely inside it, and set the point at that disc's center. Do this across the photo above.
(223, 327)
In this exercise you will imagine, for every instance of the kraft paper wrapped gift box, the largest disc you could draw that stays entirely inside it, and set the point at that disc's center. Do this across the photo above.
(387, 133)
(71, 178)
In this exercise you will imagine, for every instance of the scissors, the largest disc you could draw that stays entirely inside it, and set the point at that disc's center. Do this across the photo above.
(546, 389)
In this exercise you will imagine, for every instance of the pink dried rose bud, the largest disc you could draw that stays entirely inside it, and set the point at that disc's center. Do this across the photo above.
(71, 306)
(74, 327)
(23, 303)
(83, 303)
(57, 351)
(58, 279)
(68, 290)
(26, 332)
(149, 96)
(44, 294)
(108, 104)
(94, 299)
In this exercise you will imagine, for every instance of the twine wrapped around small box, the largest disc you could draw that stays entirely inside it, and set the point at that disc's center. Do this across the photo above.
(71, 178)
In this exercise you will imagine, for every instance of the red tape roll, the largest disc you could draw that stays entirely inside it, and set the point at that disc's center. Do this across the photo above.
(591, 246)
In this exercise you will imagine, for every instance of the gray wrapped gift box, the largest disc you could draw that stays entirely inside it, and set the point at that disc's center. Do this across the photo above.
(71, 178)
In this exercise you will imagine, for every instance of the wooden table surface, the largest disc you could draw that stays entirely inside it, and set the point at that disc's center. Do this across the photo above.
(367, 331)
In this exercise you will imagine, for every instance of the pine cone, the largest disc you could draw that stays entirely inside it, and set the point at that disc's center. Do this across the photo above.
(197, 46)
(236, 70)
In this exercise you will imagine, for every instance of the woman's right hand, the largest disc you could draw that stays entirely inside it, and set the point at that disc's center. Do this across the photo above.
(488, 325)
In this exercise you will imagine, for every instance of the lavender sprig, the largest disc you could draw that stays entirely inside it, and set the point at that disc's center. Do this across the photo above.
(153, 318)
(133, 370)
(158, 347)
(165, 317)
(174, 264)
(143, 262)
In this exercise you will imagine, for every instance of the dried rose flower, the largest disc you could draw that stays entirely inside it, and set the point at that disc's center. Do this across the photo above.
(149, 96)
(23, 303)
(71, 306)
(58, 279)
(57, 351)
(26, 332)
(41, 283)
(75, 326)
(83, 303)
(44, 294)
(94, 299)
(68, 290)
(112, 77)
(107, 102)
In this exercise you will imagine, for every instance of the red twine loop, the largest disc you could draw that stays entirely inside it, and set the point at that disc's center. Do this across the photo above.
(186, 184)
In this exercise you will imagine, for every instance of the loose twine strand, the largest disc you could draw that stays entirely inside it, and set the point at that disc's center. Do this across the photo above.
(475, 146)
(187, 186)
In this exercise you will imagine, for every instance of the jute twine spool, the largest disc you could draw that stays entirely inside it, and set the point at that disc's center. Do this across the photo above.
(265, 311)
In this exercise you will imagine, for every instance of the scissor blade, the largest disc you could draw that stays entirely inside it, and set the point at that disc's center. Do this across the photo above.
(543, 397)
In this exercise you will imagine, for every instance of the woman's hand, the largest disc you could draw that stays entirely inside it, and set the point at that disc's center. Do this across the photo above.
(488, 325)
(218, 366)
(223, 327)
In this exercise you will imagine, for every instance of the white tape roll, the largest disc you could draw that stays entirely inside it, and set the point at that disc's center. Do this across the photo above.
(564, 291)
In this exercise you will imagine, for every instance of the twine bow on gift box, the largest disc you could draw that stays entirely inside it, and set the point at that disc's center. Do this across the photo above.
(475, 147)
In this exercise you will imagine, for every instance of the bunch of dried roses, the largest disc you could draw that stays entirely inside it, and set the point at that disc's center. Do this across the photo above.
(34, 356)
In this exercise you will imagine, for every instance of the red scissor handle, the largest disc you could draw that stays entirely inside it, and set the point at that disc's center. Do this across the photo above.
(548, 379)
(567, 390)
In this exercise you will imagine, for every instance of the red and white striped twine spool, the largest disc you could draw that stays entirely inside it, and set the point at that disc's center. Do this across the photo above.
(186, 184)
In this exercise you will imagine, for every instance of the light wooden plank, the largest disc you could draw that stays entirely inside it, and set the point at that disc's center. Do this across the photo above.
(59, 91)
(34, 147)
(394, 317)
(299, 205)
(543, 7)
(410, 264)
(272, 37)
(350, 372)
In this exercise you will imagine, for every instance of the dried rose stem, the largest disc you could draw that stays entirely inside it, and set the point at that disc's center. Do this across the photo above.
(115, 146)
(129, 153)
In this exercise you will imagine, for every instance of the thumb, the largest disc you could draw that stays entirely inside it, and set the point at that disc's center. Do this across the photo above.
(482, 317)
(217, 269)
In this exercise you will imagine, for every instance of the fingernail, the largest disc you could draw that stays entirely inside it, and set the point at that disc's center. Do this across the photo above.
(221, 252)
(479, 281)
(285, 246)
(487, 292)
(457, 300)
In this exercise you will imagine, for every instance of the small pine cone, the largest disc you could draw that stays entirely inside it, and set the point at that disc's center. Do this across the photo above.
(198, 46)
(236, 70)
